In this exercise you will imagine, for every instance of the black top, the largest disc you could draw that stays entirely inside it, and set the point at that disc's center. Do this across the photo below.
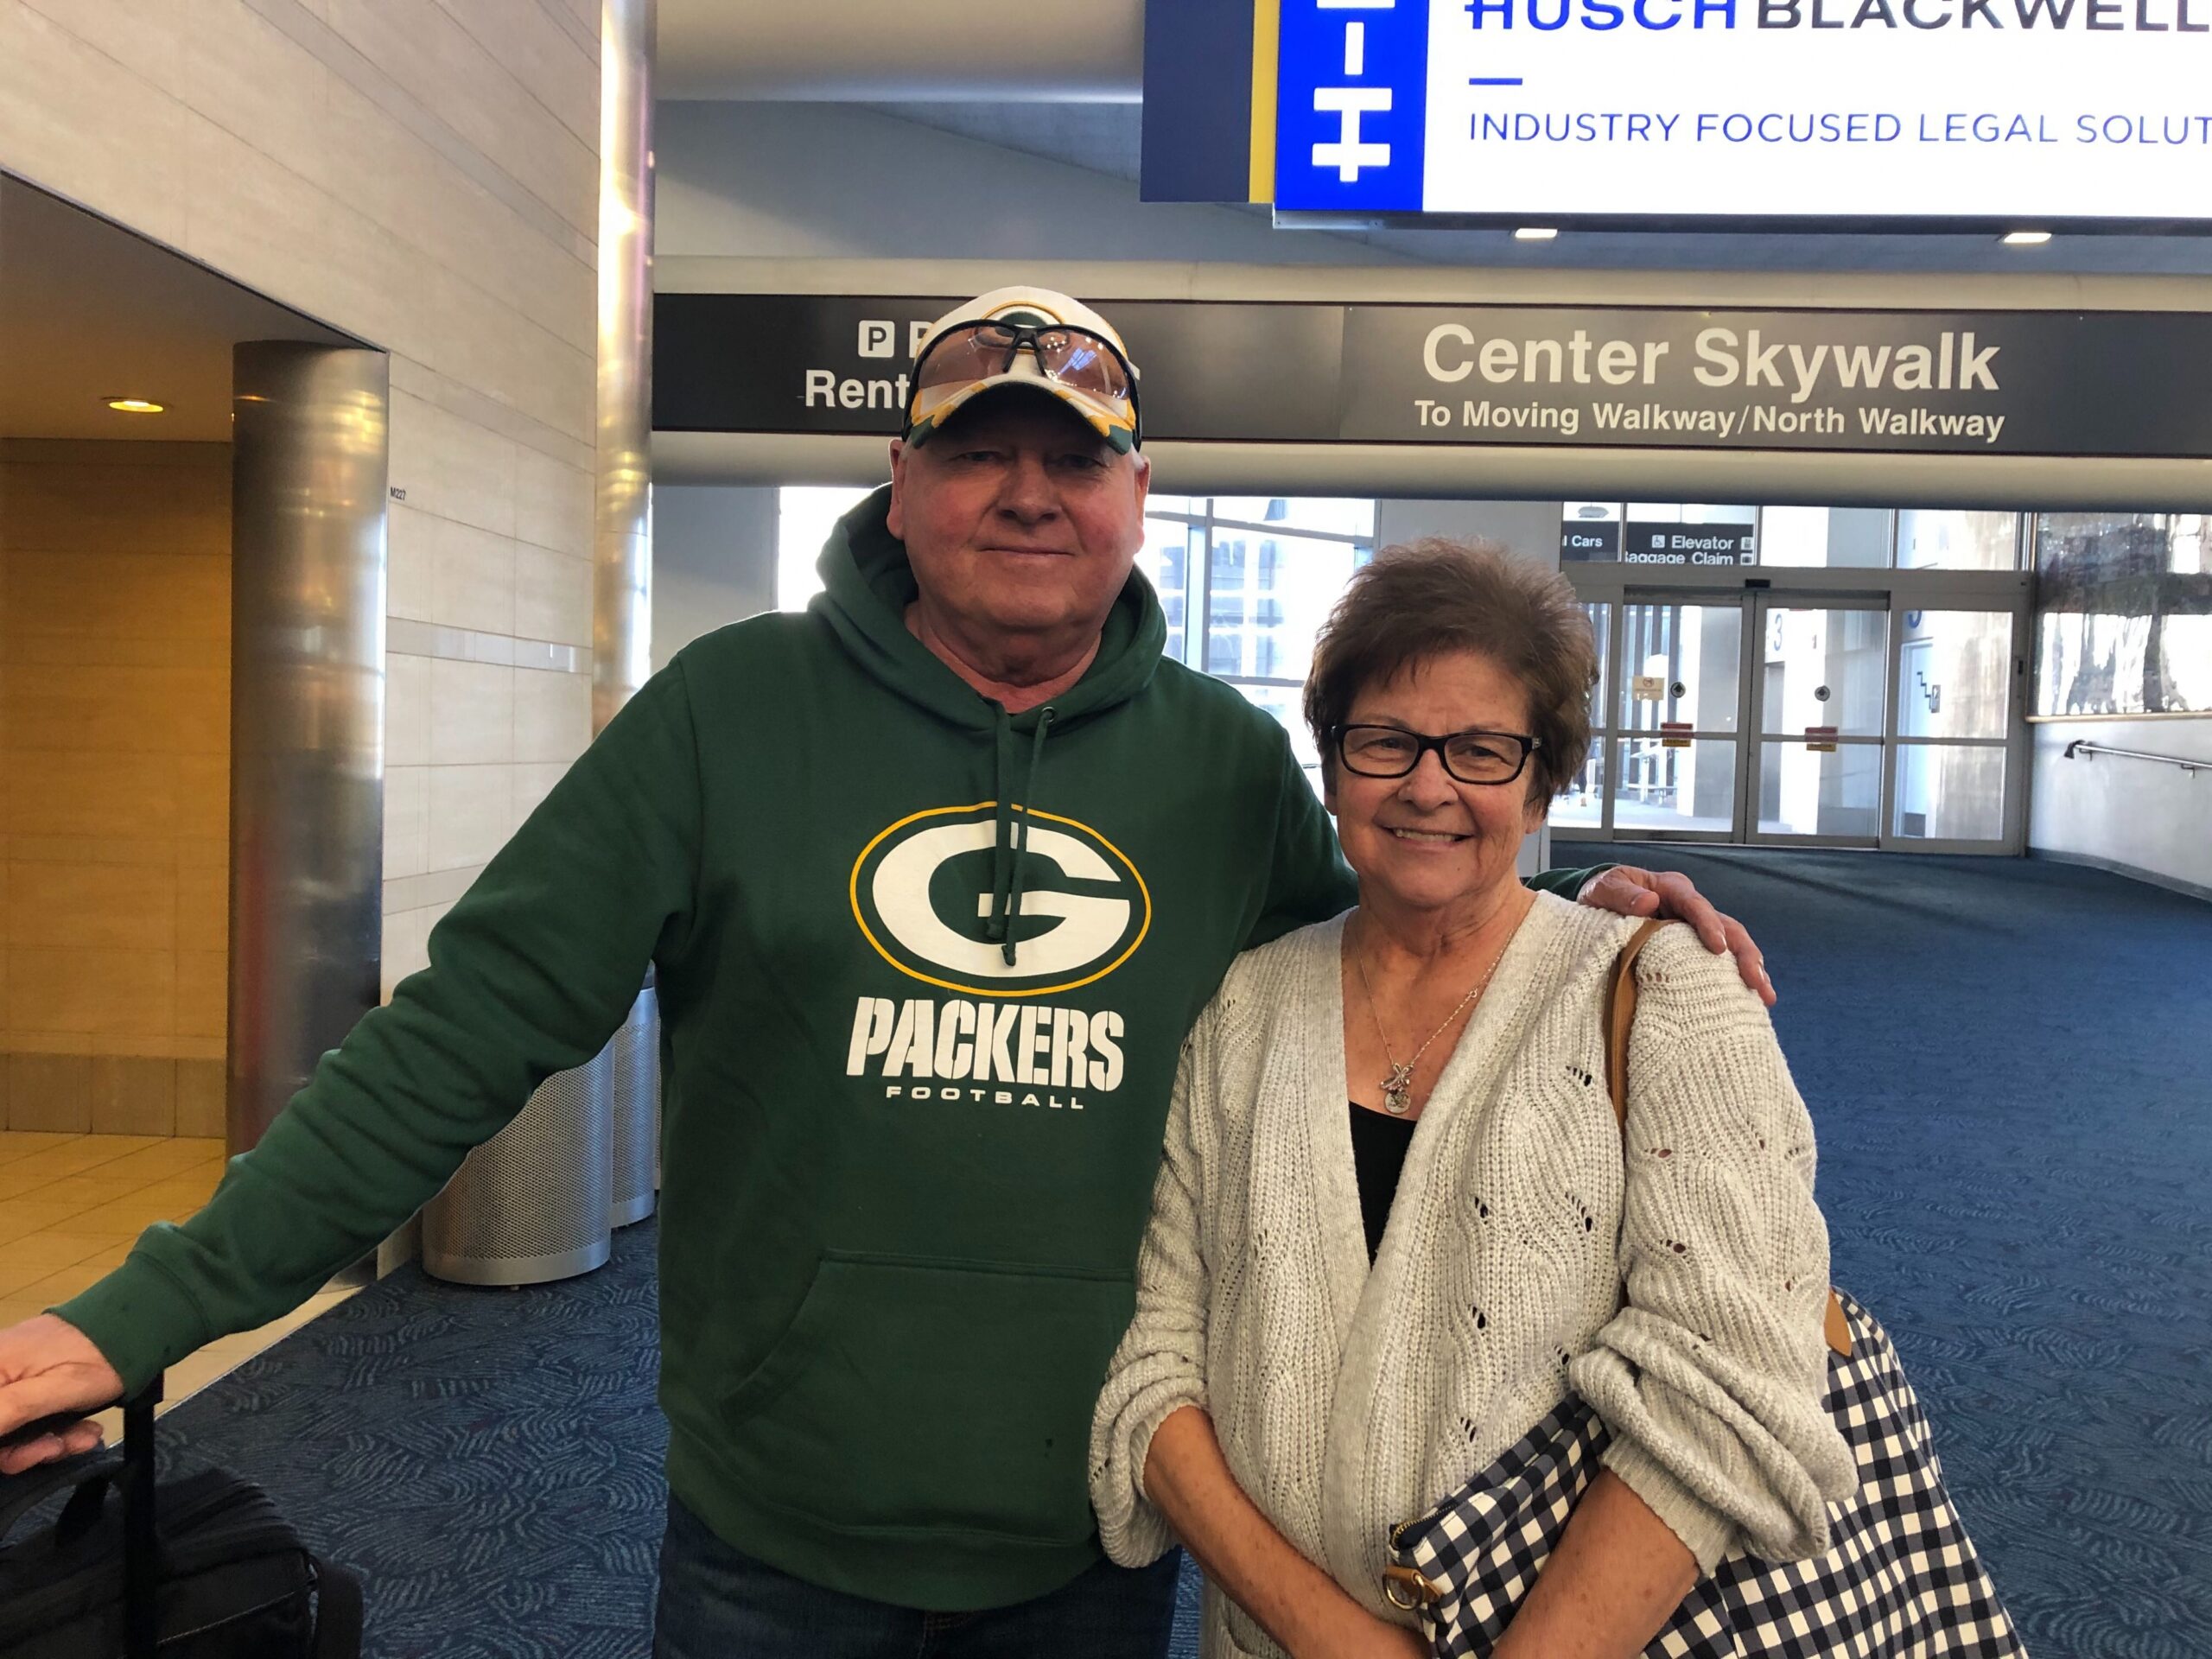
(1378, 1154)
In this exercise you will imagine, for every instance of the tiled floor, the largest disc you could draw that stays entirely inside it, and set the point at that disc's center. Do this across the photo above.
(72, 1205)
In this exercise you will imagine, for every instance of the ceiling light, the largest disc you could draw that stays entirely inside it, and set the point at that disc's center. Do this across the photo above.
(1533, 234)
(134, 406)
(2026, 239)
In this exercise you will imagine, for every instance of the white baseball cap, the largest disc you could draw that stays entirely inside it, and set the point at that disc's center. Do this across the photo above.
(1028, 337)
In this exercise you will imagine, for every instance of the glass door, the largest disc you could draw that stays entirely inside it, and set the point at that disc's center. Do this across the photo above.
(1670, 710)
(1820, 674)
(1960, 677)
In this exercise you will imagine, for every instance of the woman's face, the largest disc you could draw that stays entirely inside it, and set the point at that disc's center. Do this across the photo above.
(1426, 841)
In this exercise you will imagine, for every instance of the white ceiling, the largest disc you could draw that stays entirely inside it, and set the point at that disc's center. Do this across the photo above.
(89, 311)
(1033, 50)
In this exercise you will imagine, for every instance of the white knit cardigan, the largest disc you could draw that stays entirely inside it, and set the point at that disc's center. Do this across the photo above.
(1347, 1398)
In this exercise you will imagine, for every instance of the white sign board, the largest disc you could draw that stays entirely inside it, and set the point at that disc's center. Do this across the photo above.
(2024, 112)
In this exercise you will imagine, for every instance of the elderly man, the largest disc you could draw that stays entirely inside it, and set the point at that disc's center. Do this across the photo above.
(936, 878)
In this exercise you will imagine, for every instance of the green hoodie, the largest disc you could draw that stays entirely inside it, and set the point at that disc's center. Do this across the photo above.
(920, 1045)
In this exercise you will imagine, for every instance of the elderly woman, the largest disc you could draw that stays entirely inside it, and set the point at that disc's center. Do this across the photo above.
(1394, 1222)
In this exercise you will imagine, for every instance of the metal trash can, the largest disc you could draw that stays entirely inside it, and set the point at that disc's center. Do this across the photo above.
(531, 1204)
(634, 1062)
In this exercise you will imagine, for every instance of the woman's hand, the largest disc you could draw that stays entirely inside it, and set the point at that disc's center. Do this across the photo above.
(1627, 891)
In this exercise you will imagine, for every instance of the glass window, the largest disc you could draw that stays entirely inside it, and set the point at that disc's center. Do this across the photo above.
(1828, 538)
(1950, 791)
(1168, 564)
(804, 517)
(1331, 515)
(1286, 704)
(1675, 784)
(1953, 673)
(1958, 541)
(1268, 596)
(1806, 792)
(2121, 610)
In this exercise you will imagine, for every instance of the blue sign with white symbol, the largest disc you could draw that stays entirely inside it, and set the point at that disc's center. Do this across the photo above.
(1543, 112)
(1351, 106)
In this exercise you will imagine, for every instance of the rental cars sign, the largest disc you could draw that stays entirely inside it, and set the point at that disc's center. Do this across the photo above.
(1937, 113)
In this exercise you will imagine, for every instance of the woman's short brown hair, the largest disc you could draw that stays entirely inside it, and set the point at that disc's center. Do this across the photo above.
(1434, 598)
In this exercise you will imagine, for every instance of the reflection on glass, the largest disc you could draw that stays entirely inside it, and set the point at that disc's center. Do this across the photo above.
(1682, 663)
(1931, 540)
(1803, 791)
(2118, 629)
(1267, 597)
(1684, 790)
(1283, 704)
(1825, 538)
(1165, 561)
(1339, 515)
(1600, 613)
(1581, 804)
(1950, 792)
(1677, 513)
(1823, 667)
(1954, 672)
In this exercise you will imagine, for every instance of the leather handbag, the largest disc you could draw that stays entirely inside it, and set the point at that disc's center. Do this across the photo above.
(200, 1567)
(1900, 1579)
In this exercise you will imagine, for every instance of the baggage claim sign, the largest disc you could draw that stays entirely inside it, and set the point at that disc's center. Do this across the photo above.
(2015, 113)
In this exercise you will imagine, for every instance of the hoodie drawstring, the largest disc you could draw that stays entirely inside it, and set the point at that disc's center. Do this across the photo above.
(1012, 840)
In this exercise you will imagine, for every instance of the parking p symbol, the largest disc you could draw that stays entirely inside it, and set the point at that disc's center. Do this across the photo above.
(877, 338)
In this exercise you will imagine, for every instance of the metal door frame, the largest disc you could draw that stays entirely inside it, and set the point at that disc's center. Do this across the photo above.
(1891, 590)
(1752, 761)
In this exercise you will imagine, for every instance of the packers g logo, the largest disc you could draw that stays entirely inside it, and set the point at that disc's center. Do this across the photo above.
(922, 893)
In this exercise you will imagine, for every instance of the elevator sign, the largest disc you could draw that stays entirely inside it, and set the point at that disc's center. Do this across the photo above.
(1942, 112)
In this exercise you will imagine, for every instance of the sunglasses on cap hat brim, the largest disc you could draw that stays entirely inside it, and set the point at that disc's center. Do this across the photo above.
(1082, 368)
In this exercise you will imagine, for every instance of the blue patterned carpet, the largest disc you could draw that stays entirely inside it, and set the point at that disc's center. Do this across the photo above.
(2008, 1063)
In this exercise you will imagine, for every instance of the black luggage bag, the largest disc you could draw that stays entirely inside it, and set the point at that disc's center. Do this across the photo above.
(204, 1568)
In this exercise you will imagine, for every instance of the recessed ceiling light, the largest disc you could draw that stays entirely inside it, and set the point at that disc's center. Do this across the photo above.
(135, 406)
(1533, 234)
(2026, 239)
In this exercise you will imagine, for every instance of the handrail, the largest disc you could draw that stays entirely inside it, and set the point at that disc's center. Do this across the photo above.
(2085, 746)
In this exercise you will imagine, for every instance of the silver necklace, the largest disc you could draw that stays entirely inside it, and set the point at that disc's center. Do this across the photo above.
(1398, 1087)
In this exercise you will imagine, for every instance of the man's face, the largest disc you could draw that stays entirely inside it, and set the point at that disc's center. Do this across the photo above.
(1019, 518)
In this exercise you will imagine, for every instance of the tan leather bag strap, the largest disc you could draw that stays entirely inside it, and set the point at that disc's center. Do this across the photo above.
(1620, 1018)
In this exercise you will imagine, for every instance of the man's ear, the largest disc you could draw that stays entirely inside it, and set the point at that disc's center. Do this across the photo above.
(895, 519)
(1144, 478)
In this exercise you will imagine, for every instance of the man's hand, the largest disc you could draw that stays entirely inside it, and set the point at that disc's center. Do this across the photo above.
(1627, 891)
(48, 1366)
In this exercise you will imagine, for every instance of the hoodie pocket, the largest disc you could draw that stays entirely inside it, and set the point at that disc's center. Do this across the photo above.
(915, 1394)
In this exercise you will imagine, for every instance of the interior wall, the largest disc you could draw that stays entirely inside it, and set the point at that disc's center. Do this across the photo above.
(115, 623)
(714, 562)
(425, 178)
(2136, 816)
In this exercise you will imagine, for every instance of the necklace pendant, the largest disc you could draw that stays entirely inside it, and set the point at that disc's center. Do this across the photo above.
(1398, 1091)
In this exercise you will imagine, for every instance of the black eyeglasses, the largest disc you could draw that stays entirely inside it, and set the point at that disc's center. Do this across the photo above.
(1470, 757)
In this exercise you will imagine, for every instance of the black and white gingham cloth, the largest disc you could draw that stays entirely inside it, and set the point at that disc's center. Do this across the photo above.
(1900, 1581)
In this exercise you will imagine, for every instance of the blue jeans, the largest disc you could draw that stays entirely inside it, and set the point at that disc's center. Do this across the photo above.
(717, 1603)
